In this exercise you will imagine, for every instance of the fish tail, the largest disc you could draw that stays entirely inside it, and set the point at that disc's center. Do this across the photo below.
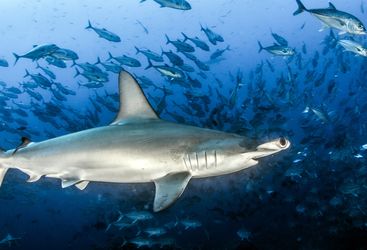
(149, 64)
(26, 73)
(16, 58)
(168, 41)
(228, 48)
(110, 56)
(89, 25)
(260, 46)
(74, 63)
(137, 50)
(77, 72)
(3, 169)
(98, 61)
(300, 9)
(185, 37)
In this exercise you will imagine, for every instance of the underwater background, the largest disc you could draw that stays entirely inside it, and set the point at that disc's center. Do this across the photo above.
(311, 196)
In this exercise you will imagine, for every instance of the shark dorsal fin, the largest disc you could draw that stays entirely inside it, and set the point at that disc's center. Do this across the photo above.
(331, 6)
(133, 103)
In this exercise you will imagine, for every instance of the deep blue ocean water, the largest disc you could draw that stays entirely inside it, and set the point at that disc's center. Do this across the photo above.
(311, 196)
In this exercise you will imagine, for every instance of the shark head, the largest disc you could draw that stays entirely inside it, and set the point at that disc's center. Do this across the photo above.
(231, 155)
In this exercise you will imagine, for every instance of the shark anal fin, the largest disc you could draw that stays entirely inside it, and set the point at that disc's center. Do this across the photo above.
(68, 182)
(24, 143)
(169, 188)
(2, 174)
(82, 185)
(34, 177)
(133, 103)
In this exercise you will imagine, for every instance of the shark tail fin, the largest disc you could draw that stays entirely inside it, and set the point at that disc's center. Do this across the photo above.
(300, 9)
(3, 169)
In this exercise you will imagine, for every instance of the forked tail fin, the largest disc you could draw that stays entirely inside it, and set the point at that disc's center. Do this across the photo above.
(301, 8)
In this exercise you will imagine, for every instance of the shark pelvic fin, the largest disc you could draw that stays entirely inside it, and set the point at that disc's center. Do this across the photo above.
(169, 188)
(25, 142)
(133, 103)
(68, 182)
(82, 185)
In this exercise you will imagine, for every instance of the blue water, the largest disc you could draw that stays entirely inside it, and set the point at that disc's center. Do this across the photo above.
(311, 196)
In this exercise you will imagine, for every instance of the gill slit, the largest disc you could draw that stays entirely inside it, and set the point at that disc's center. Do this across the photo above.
(215, 158)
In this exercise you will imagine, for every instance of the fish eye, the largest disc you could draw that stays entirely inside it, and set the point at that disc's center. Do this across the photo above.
(282, 142)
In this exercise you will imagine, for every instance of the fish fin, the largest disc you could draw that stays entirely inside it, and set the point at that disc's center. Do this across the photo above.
(185, 36)
(150, 65)
(137, 50)
(82, 185)
(69, 182)
(169, 188)
(24, 143)
(168, 41)
(33, 177)
(323, 27)
(331, 6)
(2, 174)
(301, 8)
(16, 58)
(89, 25)
(110, 56)
(77, 72)
(260, 46)
(133, 103)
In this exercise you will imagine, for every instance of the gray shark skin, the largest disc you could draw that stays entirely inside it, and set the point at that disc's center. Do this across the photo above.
(137, 147)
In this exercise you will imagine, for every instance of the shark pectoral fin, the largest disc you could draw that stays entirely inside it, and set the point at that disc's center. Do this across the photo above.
(68, 182)
(82, 185)
(133, 103)
(169, 188)
(2, 174)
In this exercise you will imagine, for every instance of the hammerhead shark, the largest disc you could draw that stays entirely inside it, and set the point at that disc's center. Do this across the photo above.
(137, 147)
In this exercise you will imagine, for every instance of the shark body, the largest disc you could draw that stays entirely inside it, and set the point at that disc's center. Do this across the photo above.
(137, 147)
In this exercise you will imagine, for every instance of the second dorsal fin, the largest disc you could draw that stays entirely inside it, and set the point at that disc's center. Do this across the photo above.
(133, 103)
(24, 143)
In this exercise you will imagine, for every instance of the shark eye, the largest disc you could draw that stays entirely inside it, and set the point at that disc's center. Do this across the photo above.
(282, 142)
